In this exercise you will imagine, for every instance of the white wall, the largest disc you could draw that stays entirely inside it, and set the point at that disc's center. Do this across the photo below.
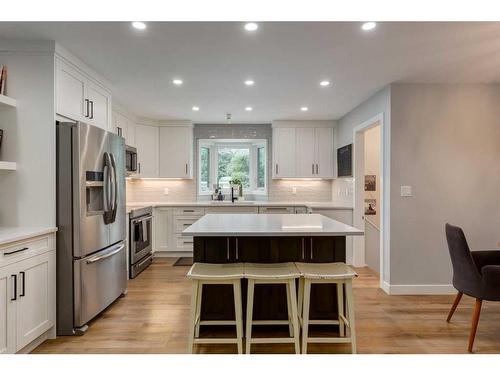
(28, 195)
(446, 145)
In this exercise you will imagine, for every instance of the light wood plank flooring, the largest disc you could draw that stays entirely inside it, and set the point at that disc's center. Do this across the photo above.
(153, 318)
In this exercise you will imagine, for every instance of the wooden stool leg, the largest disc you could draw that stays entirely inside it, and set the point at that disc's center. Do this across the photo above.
(248, 333)
(198, 310)
(454, 306)
(340, 306)
(295, 317)
(475, 321)
(238, 314)
(301, 298)
(305, 315)
(350, 309)
(192, 321)
(289, 310)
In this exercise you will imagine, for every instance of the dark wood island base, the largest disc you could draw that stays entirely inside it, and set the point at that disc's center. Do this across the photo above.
(269, 300)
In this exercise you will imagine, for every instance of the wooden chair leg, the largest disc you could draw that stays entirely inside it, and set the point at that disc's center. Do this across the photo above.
(295, 316)
(289, 310)
(340, 306)
(305, 315)
(238, 314)
(198, 310)
(301, 298)
(455, 304)
(192, 318)
(475, 321)
(248, 333)
(350, 309)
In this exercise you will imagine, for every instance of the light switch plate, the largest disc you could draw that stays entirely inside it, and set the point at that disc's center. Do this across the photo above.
(166, 191)
(294, 190)
(406, 191)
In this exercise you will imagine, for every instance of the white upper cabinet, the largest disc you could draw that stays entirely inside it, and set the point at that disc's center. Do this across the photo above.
(324, 154)
(147, 150)
(283, 152)
(80, 97)
(70, 89)
(176, 152)
(303, 152)
(124, 126)
(99, 105)
(305, 156)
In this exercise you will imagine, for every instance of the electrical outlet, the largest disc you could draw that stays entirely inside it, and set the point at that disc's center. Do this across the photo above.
(294, 190)
(166, 191)
(406, 191)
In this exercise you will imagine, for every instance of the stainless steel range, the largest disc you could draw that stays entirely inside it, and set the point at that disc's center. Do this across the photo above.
(140, 239)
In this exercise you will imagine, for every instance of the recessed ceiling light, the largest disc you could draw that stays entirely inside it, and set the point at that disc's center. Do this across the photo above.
(177, 81)
(324, 83)
(304, 109)
(249, 82)
(139, 25)
(251, 26)
(367, 26)
(248, 108)
(195, 108)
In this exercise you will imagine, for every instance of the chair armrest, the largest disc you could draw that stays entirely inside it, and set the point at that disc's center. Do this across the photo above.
(486, 258)
(491, 275)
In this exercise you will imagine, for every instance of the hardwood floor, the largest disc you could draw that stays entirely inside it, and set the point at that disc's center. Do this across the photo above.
(153, 318)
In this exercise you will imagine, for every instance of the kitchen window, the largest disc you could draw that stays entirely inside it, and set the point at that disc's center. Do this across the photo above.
(224, 160)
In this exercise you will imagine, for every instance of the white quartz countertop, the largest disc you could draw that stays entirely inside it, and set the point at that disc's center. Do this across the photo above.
(13, 234)
(317, 205)
(244, 225)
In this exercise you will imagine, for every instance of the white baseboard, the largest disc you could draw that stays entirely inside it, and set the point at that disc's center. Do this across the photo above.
(172, 254)
(402, 289)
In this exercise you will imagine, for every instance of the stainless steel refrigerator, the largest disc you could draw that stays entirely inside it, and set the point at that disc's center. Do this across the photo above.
(91, 221)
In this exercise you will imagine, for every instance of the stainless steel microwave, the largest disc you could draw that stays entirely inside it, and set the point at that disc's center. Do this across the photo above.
(131, 160)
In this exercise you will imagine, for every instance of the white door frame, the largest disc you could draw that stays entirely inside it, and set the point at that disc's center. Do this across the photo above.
(359, 256)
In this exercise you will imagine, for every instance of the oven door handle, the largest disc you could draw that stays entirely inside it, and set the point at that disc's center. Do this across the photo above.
(137, 221)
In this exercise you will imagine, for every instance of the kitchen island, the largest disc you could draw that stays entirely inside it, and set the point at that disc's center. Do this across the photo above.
(268, 238)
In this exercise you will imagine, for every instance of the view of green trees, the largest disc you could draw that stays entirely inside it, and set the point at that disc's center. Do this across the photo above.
(234, 163)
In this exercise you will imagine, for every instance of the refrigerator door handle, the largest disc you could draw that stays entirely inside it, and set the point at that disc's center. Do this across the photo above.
(107, 188)
(114, 189)
(96, 259)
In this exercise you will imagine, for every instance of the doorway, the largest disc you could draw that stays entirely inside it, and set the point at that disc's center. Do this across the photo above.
(369, 206)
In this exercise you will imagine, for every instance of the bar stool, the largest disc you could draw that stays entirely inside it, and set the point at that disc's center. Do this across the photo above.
(327, 273)
(274, 273)
(219, 274)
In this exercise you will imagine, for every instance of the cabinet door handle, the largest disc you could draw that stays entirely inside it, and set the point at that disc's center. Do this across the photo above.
(23, 292)
(237, 250)
(139, 165)
(87, 107)
(312, 250)
(91, 109)
(317, 169)
(303, 249)
(312, 168)
(15, 288)
(277, 168)
(15, 251)
(227, 248)
(186, 168)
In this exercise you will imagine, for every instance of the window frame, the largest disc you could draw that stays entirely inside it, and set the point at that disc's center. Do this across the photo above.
(215, 145)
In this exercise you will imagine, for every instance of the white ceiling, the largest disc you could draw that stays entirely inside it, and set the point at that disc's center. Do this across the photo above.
(287, 60)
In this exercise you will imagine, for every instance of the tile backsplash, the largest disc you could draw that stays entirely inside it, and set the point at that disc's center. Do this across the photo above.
(146, 190)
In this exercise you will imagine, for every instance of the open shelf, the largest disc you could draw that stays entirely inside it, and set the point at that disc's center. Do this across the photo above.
(7, 166)
(6, 101)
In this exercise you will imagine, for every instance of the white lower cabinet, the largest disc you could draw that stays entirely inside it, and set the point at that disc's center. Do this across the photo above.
(27, 294)
(161, 232)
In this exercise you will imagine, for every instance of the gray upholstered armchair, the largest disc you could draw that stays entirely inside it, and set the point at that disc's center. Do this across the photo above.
(476, 274)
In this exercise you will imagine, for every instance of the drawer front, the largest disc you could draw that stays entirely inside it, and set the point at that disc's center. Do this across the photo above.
(233, 210)
(25, 249)
(183, 242)
(276, 210)
(189, 211)
(183, 222)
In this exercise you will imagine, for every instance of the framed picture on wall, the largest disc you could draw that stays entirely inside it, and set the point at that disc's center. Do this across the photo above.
(370, 206)
(370, 182)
